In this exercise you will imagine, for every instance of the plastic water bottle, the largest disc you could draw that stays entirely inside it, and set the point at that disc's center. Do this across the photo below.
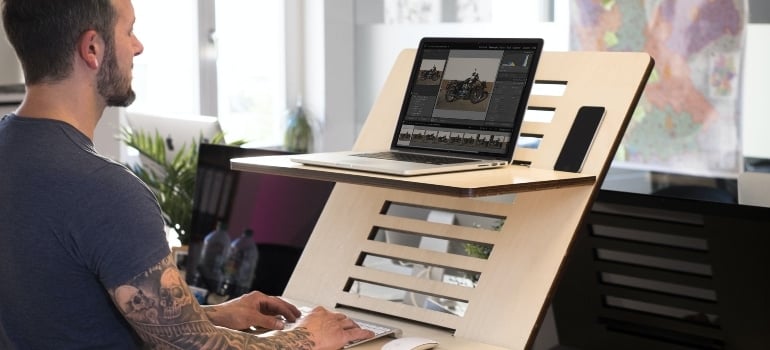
(215, 250)
(241, 264)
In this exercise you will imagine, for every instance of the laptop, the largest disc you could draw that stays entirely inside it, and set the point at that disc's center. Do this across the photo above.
(463, 108)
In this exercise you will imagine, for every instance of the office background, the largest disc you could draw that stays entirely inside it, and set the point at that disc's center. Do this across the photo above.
(311, 48)
(309, 53)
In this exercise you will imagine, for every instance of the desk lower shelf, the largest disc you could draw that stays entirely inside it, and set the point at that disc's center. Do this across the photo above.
(477, 183)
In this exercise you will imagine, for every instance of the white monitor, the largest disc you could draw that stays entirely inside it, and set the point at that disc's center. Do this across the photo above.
(178, 129)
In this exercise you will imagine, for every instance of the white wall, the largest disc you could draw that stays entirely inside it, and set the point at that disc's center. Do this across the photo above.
(107, 135)
(10, 69)
(755, 126)
(165, 74)
(329, 91)
(377, 45)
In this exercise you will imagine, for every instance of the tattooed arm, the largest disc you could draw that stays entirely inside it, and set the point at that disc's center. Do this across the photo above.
(161, 309)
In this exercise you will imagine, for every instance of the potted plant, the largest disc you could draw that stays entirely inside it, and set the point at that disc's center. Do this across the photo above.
(172, 180)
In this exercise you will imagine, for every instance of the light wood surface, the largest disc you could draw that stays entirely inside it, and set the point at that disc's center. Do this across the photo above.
(488, 182)
(540, 218)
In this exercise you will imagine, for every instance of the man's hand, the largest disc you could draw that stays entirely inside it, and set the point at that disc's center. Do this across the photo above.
(331, 330)
(324, 329)
(252, 309)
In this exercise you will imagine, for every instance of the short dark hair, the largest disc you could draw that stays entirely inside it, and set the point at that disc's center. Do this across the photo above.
(45, 33)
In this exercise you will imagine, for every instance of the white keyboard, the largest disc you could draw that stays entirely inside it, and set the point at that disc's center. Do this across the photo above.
(379, 330)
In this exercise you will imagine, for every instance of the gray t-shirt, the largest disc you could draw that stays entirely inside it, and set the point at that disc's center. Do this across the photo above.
(72, 225)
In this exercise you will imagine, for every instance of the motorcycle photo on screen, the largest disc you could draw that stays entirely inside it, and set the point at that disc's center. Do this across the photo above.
(472, 88)
(431, 74)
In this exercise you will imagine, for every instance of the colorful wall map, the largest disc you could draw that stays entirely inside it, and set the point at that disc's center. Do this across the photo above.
(688, 118)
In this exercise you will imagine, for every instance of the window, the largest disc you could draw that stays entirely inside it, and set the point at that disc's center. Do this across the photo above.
(250, 68)
(162, 73)
(226, 58)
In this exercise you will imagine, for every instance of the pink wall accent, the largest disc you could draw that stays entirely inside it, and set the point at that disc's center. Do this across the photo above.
(280, 210)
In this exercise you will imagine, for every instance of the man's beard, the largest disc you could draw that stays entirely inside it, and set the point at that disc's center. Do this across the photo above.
(111, 84)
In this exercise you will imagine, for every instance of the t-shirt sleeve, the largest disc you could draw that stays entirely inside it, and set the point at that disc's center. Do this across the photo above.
(121, 231)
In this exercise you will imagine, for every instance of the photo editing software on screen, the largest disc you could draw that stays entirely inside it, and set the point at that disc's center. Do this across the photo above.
(467, 99)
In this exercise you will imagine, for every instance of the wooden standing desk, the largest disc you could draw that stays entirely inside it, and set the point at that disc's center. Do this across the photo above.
(541, 214)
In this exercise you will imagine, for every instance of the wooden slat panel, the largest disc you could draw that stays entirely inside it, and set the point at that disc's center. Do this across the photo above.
(473, 206)
(536, 128)
(412, 283)
(450, 232)
(544, 101)
(525, 154)
(426, 256)
(399, 310)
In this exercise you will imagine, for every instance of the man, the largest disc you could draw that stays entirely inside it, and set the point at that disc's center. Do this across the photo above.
(83, 259)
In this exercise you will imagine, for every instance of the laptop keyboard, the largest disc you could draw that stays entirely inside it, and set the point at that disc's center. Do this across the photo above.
(414, 158)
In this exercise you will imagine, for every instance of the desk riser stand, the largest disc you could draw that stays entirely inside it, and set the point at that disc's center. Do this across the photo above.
(506, 307)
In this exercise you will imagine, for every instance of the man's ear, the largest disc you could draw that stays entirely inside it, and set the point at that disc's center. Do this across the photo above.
(91, 48)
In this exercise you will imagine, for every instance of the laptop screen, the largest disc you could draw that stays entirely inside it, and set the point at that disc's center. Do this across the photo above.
(468, 95)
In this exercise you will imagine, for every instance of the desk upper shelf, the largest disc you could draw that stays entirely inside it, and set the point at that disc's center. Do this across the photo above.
(614, 80)
(477, 183)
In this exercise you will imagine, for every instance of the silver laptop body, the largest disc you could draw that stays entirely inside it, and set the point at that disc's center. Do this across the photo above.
(465, 103)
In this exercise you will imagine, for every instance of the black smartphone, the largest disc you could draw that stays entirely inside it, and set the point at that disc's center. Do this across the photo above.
(579, 139)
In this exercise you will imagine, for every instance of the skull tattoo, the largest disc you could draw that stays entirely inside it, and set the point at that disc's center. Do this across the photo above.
(173, 296)
(135, 305)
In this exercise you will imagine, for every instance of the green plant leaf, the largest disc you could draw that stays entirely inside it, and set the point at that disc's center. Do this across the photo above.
(172, 180)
